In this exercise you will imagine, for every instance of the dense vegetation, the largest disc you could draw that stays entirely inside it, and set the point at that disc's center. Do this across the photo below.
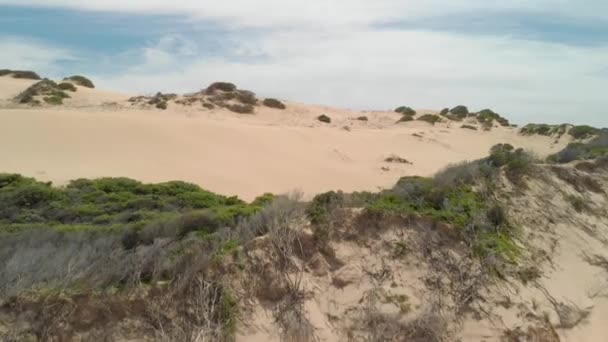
(112, 203)
(460, 197)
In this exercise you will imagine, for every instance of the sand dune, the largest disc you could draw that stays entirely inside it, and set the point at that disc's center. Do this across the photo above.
(99, 134)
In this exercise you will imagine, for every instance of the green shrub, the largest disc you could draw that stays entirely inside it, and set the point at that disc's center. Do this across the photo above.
(406, 118)
(53, 100)
(488, 116)
(444, 111)
(430, 118)
(274, 103)
(21, 74)
(583, 131)
(162, 105)
(81, 81)
(460, 111)
(241, 108)
(324, 118)
(67, 86)
(595, 148)
(405, 110)
(246, 97)
(221, 86)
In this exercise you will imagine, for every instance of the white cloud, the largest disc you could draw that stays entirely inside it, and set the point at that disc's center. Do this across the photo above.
(327, 51)
(528, 81)
(19, 53)
(325, 13)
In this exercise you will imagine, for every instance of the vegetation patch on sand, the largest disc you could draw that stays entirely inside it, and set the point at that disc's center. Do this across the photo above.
(324, 118)
(51, 92)
(430, 118)
(593, 149)
(80, 80)
(21, 74)
(405, 111)
(274, 103)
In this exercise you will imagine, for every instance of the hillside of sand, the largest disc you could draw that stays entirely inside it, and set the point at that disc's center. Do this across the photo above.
(101, 134)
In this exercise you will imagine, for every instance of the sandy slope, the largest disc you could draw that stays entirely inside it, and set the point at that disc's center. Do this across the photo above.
(97, 134)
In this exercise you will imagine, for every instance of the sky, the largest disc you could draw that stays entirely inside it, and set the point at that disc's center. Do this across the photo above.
(531, 61)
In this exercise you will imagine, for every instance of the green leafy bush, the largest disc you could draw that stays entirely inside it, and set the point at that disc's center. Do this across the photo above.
(274, 103)
(22, 74)
(488, 116)
(583, 131)
(405, 110)
(430, 118)
(67, 86)
(241, 108)
(460, 111)
(221, 86)
(406, 118)
(81, 81)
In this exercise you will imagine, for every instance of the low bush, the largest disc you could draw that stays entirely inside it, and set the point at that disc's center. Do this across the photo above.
(246, 97)
(274, 103)
(444, 111)
(80, 80)
(516, 162)
(362, 118)
(595, 148)
(430, 118)
(53, 100)
(583, 131)
(48, 88)
(241, 108)
(460, 111)
(22, 74)
(221, 86)
(488, 116)
(162, 105)
(406, 118)
(405, 110)
(469, 127)
(67, 86)
(324, 118)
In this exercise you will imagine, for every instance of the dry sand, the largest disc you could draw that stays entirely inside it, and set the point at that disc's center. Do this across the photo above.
(99, 134)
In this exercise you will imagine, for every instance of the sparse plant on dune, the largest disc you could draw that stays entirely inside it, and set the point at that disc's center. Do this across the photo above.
(274, 103)
(80, 80)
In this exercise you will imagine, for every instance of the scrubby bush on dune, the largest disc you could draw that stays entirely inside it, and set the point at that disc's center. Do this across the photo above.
(324, 118)
(274, 103)
(53, 94)
(405, 111)
(362, 118)
(583, 131)
(241, 108)
(221, 86)
(246, 97)
(406, 118)
(469, 127)
(487, 115)
(81, 81)
(22, 74)
(444, 111)
(460, 111)
(430, 118)
(67, 86)
(596, 148)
